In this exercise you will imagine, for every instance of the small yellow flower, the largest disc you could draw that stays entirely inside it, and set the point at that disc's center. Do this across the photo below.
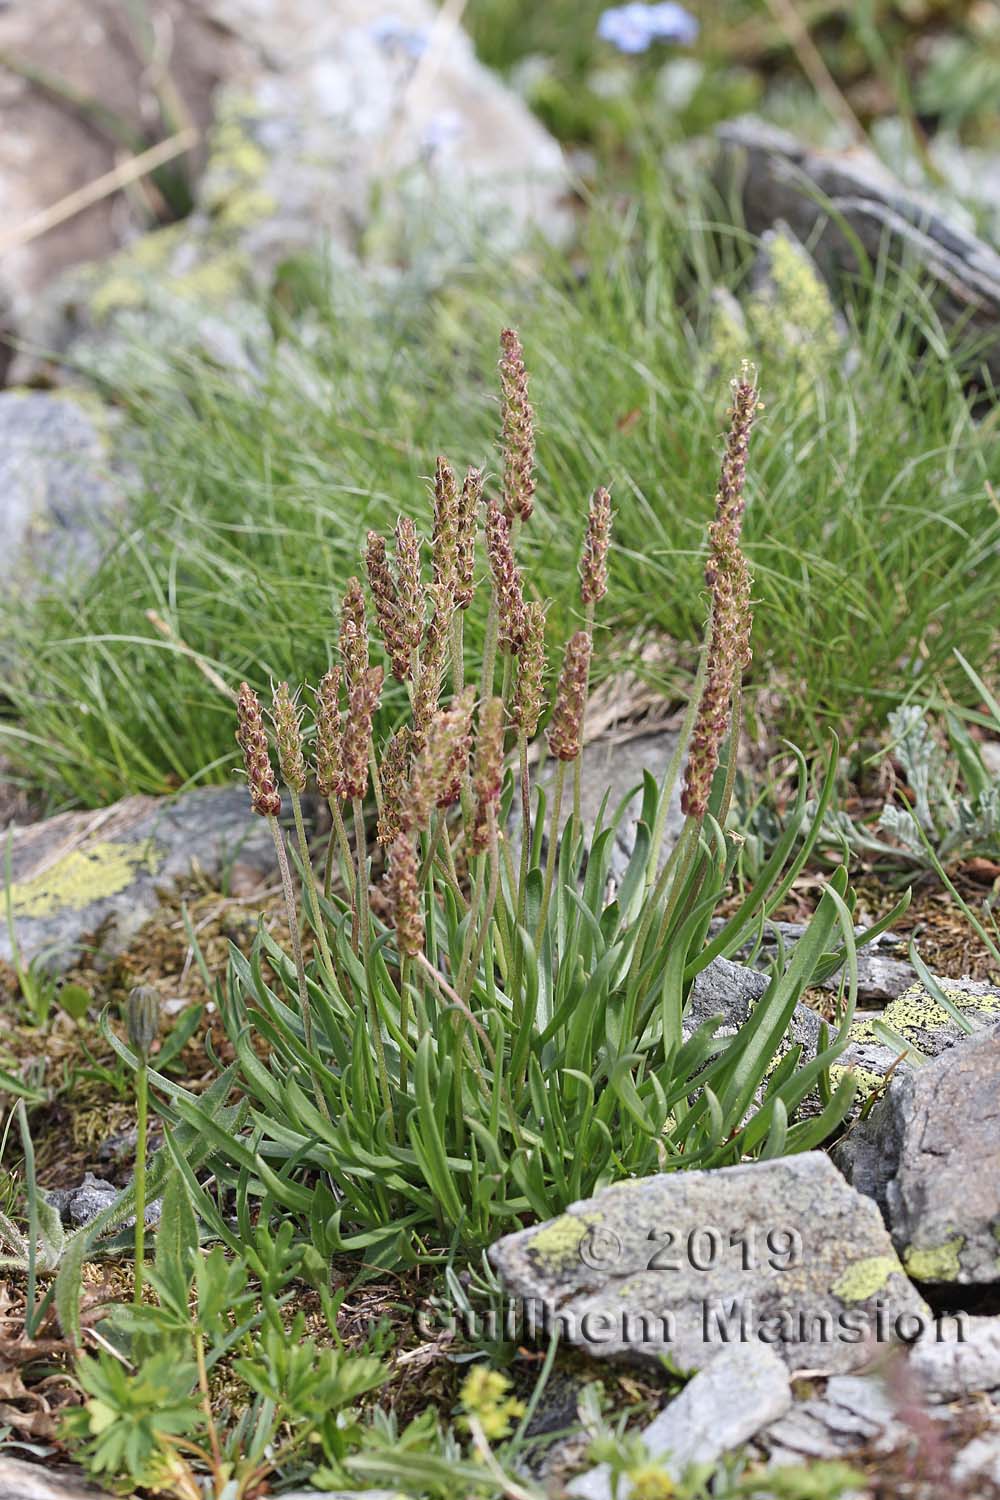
(484, 1396)
(651, 1482)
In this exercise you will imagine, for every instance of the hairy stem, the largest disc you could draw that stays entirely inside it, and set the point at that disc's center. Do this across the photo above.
(364, 915)
(139, 1176)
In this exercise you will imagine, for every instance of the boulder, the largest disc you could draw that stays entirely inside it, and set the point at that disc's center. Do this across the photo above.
(721, 1408)
(929, 1155)
(834, 200)
(779, 1252)
(56, 484)
(339, 131)
(80, 874)
(21, 1481)
(922, 1024)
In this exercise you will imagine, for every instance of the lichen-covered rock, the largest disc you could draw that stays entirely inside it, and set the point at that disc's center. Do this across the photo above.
(921, 1023)
(929, 1155)
(737, 1393)
(100, 873)
(364, 137)
(782, 1252)
(883, 972)
(836, 200)
(56, 484)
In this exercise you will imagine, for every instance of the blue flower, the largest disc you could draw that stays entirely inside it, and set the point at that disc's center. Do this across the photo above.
(633, 27)
(390, 33)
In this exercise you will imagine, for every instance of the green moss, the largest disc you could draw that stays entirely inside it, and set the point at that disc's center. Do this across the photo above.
(82, 877)
(865, 1277)
(939, 1263)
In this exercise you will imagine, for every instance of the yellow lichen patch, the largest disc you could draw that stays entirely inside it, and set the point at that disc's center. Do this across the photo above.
(939, 1263)
(865, 1277)
(559, 1243)
(915, 1010)
(82, 877)
(867, 1079)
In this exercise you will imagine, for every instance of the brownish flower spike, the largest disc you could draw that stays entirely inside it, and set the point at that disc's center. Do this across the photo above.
(404, 894)
(728, 578)
(518, 430)
(528, 687)
(394, 771)
(468, 513)
(566, 729)
(594, 562)
(363, 700)
(441, 764)
(444, 542)
(286, 716)
(252, 740)
(353, 634)
(507, 585)
(409, 587)
(329, 750)
(388, 607)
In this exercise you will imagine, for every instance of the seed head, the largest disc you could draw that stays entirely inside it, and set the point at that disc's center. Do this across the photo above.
(143, 1018)
(507, 586)
(444, 542)
(394, 771)
(594, 562)
(468, 513)
(728, 579)
(409, 588)
(404, 894)
(329, 756)
(488, 771)
(566, 729)
(286, 716)
(388, 607)
(353, 634)
(252, 740)
(518, 430)
(442, 763)
(363, 700)
(528, 689)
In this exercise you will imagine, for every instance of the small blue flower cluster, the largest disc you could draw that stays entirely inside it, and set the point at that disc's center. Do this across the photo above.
(392, 34)
(633, 27)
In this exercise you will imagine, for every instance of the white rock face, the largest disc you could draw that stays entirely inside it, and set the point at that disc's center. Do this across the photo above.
(362, 127)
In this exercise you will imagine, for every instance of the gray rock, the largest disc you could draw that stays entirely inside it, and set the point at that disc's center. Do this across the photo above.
(979, 1464)
(782, 1252)
(82, 1204)
(732, 991)
(883, 973)
(929, 1155)
(20, 1481)
(782, 179)
(853, 1413)
(612, 767)
(737, 1393)
(84, 873)
(951, 1367)
(56, 485)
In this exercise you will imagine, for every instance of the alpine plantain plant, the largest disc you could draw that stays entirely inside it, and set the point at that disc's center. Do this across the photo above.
(493, 1028)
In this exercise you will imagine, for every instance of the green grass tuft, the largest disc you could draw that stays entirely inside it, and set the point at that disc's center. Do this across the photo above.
(871, 530)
